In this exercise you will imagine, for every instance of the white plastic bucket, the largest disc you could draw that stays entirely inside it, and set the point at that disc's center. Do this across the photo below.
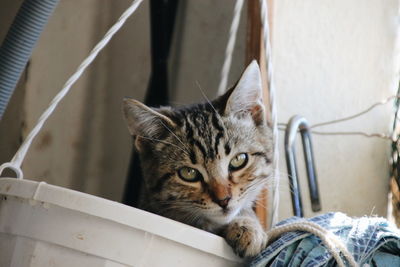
(45, 225)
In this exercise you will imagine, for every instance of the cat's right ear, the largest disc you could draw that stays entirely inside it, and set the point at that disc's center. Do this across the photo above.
(246, 98)
(144, 121)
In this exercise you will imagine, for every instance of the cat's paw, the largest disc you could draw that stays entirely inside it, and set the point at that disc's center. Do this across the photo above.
(246, 237)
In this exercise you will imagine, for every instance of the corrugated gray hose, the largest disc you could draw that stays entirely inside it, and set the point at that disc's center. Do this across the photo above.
(19, 43)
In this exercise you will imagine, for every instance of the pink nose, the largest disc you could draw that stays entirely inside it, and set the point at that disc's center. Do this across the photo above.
(223, 203)
(220, 193)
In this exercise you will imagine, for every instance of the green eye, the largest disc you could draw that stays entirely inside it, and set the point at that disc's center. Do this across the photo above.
(238, 162)
(189, 174)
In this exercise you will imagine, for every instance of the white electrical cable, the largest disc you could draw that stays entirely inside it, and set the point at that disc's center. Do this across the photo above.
(386, 136)
(272, 104)
(16, 162)
(229, 47)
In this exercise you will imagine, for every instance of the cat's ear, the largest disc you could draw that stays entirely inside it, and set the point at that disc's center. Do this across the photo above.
(144, 121)
(247, 96)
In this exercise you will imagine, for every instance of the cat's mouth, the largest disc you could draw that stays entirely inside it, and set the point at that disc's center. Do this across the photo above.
(226, 210)
(223, 215)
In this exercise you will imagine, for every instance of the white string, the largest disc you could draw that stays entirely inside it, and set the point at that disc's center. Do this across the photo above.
(274, 121)
(16, 162)
(268, 62)
(332, 242)
(282, 126)
(385, 101)
(370, 135)
(229, 47)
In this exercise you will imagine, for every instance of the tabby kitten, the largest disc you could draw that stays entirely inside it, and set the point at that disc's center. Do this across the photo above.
(205, 164)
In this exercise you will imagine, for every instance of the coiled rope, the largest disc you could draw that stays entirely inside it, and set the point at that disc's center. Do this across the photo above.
(16, 161)
(334, 245)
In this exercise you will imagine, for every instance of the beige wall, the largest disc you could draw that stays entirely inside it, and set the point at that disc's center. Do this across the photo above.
(87, 127)
(332, 58)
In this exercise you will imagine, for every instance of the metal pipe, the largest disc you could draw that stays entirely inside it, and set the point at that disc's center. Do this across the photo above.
(299, 123)
(19, 43)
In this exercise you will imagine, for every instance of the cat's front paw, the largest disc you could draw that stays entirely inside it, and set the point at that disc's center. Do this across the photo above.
(246, 237)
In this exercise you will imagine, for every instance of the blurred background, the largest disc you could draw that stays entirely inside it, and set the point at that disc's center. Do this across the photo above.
(331, 59)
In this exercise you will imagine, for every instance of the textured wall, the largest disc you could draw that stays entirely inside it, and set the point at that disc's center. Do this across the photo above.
(85, 144)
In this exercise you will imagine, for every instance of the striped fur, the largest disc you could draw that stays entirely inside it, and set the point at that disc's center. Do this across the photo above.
(206, 137)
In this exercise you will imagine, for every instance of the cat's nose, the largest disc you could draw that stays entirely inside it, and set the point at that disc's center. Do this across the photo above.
(223, 203)
(220, 193)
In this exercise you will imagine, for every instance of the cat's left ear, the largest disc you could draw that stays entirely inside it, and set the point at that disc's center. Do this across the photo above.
(247, 96)
(145, 121)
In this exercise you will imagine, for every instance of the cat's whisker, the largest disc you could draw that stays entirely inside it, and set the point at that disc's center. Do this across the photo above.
(161, 141)
(246, 110)
(189, 215)
(285, 185)
(210, 103)
(179, 204)
(261, 204)
(206, 98)
(177, 138)
(279, 172)
(252, 188)
(283, 188)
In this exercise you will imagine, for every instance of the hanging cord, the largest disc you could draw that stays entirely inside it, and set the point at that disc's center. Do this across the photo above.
(385, 101)
(16, 162)
(282, 126)
(375, 135)
(229, 47)
(224, 78)
(332, 242)
(274, 121)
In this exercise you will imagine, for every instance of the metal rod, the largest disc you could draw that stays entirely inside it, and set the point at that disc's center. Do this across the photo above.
(299, 123)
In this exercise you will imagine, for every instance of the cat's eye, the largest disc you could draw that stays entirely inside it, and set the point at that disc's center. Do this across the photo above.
(189, 174)
(238, 162)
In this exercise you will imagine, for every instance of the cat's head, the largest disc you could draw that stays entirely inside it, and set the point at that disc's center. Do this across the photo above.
(207, 161)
